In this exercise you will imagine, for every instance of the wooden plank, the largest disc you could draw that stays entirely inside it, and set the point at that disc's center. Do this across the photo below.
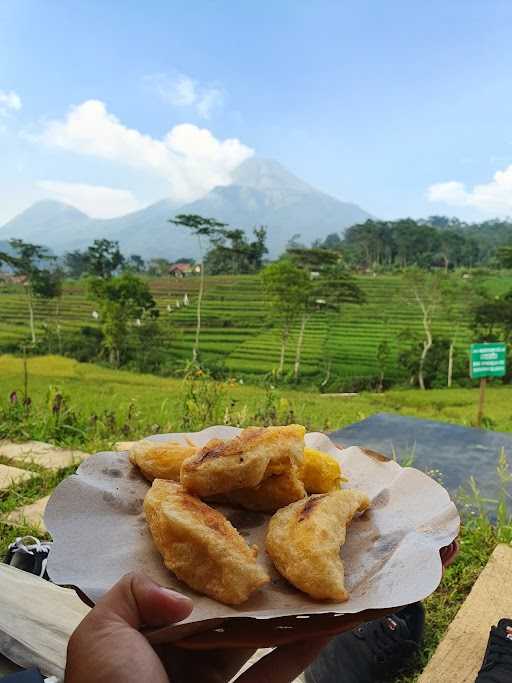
(12, 475)
(37, 619)
(30, 514)
(459, 655)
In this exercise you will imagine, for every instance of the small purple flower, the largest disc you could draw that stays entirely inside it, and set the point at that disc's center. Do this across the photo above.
(13, 397)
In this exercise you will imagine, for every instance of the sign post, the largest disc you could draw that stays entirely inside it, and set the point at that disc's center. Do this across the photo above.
(487, 360)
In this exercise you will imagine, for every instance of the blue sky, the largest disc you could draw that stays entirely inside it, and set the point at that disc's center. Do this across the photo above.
(402, 107)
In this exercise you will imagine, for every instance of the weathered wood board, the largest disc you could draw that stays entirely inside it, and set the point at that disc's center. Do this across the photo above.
(459, 656)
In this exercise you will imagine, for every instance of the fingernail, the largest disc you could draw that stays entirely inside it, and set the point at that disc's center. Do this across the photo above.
(176, 596)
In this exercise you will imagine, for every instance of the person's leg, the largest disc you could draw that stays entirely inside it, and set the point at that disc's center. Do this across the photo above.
(372, 652)
(497, 664)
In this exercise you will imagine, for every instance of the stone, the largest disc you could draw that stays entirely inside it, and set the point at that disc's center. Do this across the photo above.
(30, 514)
(13, 475)
(40, 453)
(124, 445)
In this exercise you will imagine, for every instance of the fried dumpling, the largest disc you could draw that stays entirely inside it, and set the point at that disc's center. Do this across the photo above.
(273, 493)
(244, 461)
(200, 546)
(304, 541)
(160, 460)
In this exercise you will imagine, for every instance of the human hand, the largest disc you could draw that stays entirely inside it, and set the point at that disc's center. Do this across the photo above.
(108, 647)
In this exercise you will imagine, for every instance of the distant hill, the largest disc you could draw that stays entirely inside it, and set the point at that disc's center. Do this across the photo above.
(263, 192)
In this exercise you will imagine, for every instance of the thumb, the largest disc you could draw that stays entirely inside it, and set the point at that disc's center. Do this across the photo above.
(139, 601)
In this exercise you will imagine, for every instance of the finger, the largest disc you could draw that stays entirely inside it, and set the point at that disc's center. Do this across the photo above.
(285, 663)
(139, 601)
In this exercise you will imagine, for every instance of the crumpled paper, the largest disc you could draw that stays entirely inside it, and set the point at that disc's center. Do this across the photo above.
(391, 554)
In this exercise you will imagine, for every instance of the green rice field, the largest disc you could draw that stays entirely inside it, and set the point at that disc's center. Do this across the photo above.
(237, 329)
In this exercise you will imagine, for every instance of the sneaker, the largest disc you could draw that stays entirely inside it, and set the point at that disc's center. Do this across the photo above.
(373, 652)
(30, 555)
(497, 664)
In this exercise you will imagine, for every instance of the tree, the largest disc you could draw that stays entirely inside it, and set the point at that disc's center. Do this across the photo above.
(122, 301)
(423, 290)
(458, 296)
(492, 318)
(47, 284)
(330, 285)
(287, 288)
(104, 258)
(76, 263)
(504, 256)
(25, 262)
(135, 264)
(202, 228)
(158, 267)
(232, 253)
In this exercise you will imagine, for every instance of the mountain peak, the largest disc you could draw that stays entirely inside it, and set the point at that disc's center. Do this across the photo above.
(267, 174)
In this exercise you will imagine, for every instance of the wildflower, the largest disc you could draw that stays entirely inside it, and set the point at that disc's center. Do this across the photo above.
(13, 397)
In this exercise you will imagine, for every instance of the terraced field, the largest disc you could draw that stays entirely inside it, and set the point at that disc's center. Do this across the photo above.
(236, 328)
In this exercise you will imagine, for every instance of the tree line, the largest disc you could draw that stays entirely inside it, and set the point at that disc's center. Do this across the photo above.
(303, 282)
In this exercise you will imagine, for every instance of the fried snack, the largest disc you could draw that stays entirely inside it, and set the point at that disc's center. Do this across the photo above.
(200, 546)
(273, 493)
(160, 460)
(321, 472)
(244, 461)
(304, 541)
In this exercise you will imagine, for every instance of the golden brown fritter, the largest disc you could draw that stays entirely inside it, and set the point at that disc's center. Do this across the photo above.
(244, 461)
(200, 546)
(160, 460)
(321, 472)
(273, 493)
(304, 541)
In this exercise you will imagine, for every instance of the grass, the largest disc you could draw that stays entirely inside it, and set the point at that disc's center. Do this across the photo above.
(102, 406)
(236, 329)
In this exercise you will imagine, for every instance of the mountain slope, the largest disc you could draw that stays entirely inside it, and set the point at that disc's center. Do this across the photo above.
(263, 193)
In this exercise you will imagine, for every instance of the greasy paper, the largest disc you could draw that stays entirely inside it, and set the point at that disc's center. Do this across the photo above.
(391, 554)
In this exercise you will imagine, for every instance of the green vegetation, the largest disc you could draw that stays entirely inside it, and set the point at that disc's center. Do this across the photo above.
(237, 334)
(90, 407)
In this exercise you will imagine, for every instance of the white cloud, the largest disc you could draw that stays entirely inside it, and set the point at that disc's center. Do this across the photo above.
(494, 197)
(181, 90)
(190, 158)
(9, 102)
(95, 200)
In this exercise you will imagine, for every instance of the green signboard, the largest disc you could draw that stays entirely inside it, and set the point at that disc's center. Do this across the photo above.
(488, 360)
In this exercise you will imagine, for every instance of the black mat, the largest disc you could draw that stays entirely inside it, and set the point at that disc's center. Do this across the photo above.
(458, 452)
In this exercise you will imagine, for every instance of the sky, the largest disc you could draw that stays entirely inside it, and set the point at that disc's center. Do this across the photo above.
(404, 108)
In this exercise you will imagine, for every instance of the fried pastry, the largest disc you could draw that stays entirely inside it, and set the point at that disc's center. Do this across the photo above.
(273, 493)
(160, 460)
(200, 546)
(244, 461)
(321, 472)
(304, 541)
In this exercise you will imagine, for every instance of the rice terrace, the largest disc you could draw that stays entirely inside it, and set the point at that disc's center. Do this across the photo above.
(256, 342)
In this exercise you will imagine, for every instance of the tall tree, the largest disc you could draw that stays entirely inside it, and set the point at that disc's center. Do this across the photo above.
(76, 263)
(122, 301)
(47, 284)
(287, 288)
(423, 290)
(203, 229)
(104, 258)
(232, 253)
(330, 286)
(458, 297)
(26, 263)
